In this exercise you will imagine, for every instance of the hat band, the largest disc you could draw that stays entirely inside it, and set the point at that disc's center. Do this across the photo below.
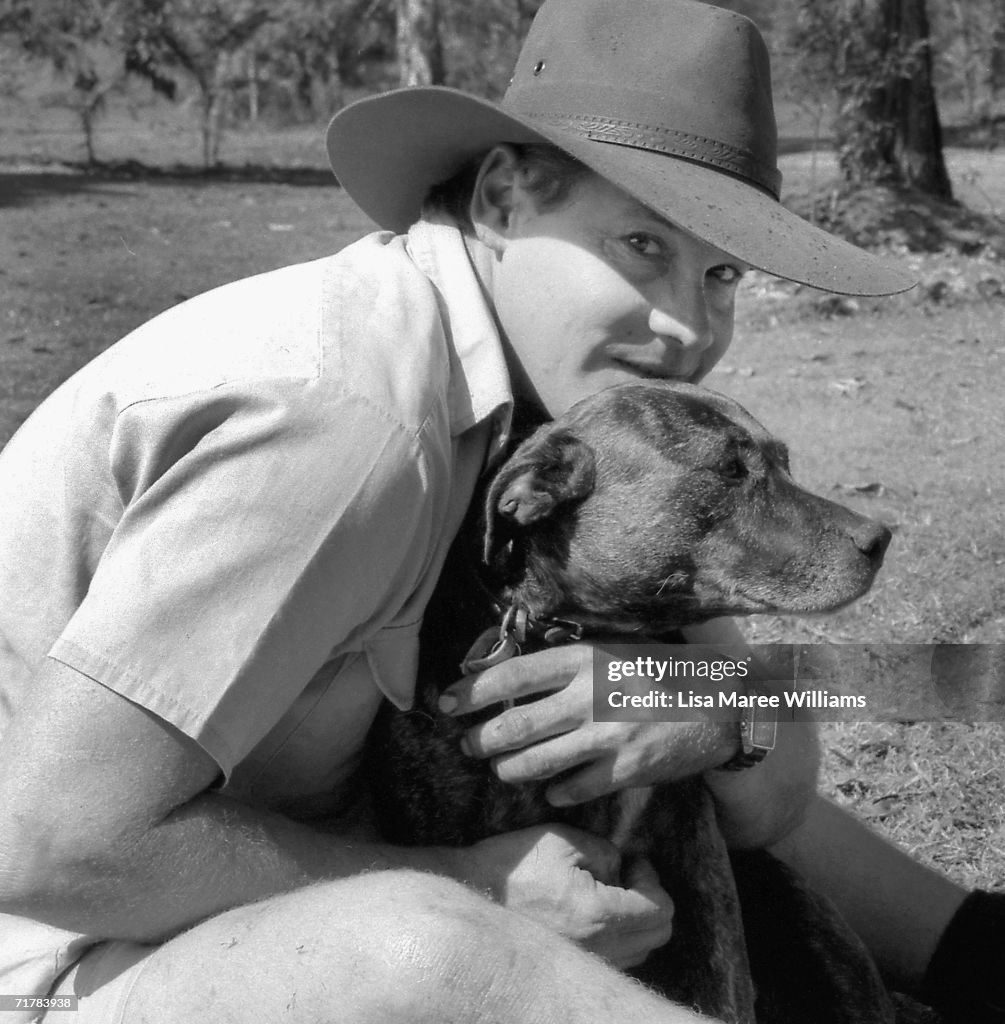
(671, 141)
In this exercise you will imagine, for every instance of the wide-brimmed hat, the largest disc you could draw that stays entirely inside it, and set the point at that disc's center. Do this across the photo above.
(670, 100)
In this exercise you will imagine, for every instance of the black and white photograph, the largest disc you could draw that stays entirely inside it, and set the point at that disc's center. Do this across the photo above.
(502, 511)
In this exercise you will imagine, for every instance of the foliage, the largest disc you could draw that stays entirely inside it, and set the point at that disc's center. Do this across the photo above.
(84, 40)
(311, 50)
(969, 43)
(482, 40)
(874, 56)
(293, 60)
(467, 45)
(203, 38)
(806, 44)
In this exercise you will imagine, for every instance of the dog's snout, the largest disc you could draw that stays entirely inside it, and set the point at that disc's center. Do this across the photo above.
(872, 539)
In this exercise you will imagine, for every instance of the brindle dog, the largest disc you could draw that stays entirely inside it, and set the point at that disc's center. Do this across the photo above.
(645, 508)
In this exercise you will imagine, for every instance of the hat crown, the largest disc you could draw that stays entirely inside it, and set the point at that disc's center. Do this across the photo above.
(674, 76)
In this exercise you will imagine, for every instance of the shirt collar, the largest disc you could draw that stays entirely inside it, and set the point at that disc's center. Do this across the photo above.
(479, 380)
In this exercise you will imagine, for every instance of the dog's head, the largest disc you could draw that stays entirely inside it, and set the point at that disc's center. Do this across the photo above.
(650, 506)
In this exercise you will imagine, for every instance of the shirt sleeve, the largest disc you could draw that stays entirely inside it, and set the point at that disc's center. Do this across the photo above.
(264, 525)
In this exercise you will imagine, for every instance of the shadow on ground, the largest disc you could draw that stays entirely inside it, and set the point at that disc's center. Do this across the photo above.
(21, 187)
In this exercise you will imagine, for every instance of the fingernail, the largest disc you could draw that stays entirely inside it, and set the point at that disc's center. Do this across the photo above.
(448, 703)
(465, 746)
(559, 798)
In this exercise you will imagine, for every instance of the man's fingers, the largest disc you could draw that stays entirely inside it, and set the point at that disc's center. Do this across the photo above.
(641, 877)
(646, 912)
(551, 669)
(535, 740)
(597, 779)
(549, 757)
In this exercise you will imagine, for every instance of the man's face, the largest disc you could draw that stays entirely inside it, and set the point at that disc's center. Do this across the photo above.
(601, 290)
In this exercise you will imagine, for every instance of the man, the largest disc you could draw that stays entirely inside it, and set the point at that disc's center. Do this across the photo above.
(219, 539)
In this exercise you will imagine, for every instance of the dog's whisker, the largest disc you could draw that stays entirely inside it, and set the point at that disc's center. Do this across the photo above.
(674, 580)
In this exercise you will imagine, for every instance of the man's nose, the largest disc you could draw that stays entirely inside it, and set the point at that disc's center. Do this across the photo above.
(684, 322)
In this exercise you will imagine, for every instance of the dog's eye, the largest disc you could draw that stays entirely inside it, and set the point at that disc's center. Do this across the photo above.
(733, 469)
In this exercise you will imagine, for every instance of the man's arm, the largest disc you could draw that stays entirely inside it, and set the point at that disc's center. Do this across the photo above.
(106, 825)
(897, 906)
(759, 806)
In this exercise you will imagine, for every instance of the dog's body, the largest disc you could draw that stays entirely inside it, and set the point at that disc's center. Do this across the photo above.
(643, 509)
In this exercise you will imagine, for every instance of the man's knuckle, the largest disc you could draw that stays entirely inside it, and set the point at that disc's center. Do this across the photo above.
(538, 764)
(664, 933)
(513, 726)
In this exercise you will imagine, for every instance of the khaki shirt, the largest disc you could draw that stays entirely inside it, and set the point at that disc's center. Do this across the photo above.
(235, 516)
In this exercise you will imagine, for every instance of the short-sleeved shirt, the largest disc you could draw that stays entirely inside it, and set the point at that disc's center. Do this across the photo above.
(235, 516)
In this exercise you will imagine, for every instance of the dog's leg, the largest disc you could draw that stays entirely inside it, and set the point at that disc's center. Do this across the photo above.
(705, 963)
(807, 964)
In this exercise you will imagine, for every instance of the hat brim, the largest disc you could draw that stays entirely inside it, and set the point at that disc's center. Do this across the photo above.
(388, 150)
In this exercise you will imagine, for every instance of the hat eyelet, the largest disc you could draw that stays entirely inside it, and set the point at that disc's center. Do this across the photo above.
(539, 67)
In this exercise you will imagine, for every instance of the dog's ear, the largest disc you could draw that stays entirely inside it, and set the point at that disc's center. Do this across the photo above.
(550, 469)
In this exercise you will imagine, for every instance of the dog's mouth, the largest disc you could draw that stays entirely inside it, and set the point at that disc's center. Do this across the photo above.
(823, 597)
(807, 604)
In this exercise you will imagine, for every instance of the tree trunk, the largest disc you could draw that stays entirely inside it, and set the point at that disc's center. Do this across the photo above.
(995, 66)
(86, 112)
(420, 48)
(887, 128)
(252, 87)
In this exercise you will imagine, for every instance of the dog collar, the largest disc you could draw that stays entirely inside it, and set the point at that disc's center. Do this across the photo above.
(497, 645)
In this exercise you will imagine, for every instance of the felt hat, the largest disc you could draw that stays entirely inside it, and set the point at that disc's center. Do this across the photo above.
(670, 100)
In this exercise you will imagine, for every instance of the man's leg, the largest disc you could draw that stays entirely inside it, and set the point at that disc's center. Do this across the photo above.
(383, 947)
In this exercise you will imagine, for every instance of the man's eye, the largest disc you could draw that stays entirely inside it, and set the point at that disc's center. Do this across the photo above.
(725, 273)
(644, 244)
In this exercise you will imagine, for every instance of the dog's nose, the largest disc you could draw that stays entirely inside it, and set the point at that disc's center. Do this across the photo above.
(872, 539)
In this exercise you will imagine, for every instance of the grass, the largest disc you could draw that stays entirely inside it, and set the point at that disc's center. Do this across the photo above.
(893, 407)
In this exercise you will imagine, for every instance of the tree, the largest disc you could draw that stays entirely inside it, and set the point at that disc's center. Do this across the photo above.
(887, 129)
(205, 39)
(420, 44)
(313, 48)
(481, 41)
(970, 43)
(84, 42)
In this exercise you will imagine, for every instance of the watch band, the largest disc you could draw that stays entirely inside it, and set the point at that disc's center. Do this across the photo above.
(758, 733)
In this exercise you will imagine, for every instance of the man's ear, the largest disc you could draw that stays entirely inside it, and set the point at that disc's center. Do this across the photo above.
(494, 195)
(551, 469)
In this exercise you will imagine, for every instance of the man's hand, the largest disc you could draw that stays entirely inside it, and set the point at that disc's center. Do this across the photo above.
(572, 882)
(556, 733)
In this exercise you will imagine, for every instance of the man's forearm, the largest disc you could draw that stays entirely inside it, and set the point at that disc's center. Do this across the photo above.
(759, 806)
(211, 854)
(898, 906)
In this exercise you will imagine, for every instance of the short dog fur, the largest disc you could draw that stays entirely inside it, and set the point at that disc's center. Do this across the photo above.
(645, 508)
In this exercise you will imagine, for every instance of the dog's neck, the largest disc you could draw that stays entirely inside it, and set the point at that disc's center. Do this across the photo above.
(517, 629)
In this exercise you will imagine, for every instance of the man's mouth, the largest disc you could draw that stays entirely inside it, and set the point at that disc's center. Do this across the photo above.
(653, 371)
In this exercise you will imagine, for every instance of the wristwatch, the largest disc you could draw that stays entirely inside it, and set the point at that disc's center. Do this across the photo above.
(758, 732)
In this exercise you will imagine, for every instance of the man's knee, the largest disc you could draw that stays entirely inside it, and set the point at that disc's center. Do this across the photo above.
(438, 937)
(422, 936)
(429, 920)
(363, 949)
